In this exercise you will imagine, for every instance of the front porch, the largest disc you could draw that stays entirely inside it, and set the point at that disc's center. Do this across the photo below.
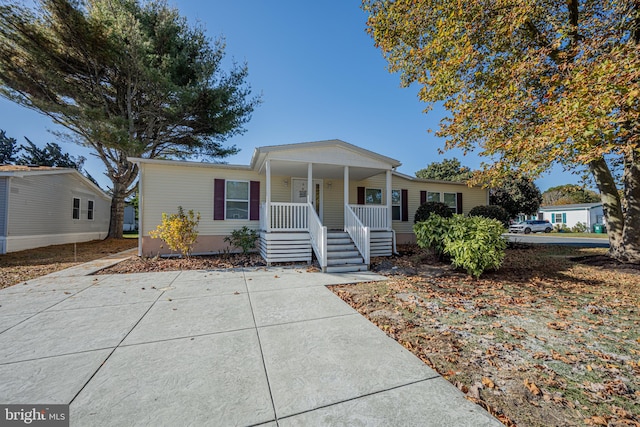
(293, 232)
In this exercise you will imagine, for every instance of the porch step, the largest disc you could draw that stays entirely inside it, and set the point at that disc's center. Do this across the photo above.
(346, 268)
(342, 254)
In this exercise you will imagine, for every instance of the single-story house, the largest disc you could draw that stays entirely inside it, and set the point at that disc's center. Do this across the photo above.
(341, 202)
(588, 214)
(42, 206)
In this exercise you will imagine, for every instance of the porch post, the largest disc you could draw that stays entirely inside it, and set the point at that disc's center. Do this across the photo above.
(389, 209)
(346, 192)
(268, 203)
(310, 183)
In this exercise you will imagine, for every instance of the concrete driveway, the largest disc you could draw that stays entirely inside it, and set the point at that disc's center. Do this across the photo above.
(246, 347)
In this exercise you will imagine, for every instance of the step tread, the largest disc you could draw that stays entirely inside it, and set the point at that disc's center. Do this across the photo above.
(346, 268)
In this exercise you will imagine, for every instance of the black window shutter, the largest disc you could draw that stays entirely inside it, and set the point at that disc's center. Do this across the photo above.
(404, 194)
(254, 200)
(218, 199)
(459, 203)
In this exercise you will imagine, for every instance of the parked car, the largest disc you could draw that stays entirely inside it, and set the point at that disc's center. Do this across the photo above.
(531, 225)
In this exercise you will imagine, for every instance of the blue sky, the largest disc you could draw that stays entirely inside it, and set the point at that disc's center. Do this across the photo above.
(320, 78)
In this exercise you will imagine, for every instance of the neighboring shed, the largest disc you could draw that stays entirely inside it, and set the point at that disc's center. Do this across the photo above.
(588, 214)
(42, 206)
(326, 197)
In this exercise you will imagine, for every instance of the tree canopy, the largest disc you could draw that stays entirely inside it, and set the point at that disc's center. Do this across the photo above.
(517, 195)
(30, 154)
(528, 85)
(8, 149)
(126, 79)
(569, 194)
(447, 170)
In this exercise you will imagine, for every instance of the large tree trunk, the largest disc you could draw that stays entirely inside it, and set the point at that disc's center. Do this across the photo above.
(623, 232)
(116, 221)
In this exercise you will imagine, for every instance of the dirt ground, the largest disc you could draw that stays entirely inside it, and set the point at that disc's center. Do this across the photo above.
(549, 339)
(16, 267)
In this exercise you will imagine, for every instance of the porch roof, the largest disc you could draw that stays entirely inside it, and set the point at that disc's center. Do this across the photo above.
(328, 158)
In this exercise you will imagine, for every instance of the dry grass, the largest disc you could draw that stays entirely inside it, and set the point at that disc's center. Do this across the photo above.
(16, 267)
(544, 341)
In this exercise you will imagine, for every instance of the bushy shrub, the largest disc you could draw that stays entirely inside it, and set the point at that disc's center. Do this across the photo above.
(243, 238)
(178, 231)
(560, 228)
(426, 209)
(493, 212)
(473, 243)
(580, 227)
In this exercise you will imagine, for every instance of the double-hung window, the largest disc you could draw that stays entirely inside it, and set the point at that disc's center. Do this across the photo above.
(90, 210)
(433, 196)
(237, 200)
(450, 199)
(396, 205)
(76, 208)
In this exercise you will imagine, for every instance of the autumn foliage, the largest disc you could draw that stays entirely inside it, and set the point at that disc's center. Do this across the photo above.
(178, 231)
(530, 85)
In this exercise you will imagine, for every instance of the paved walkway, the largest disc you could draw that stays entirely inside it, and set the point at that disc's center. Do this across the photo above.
(269, 347)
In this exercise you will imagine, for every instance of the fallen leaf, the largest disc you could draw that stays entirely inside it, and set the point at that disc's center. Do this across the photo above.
(533, 388)
(487, 382)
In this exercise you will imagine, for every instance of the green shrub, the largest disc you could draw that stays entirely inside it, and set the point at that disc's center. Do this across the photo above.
(580, 227)
(243, 238)
(561, 228)
(493, 212)
(426, 209)
(473, 243)
(178, 231)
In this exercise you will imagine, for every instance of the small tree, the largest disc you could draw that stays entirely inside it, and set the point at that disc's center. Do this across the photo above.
(447, 170)
(178, 231)
(8, 148)
(427, 209)
(517, 195)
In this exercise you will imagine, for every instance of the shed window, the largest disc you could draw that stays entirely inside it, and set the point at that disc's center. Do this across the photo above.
(396, 205)
(237, 200)
(76, 208)
(373, 196)
(90, 210)
(450, 199)
(433, 197)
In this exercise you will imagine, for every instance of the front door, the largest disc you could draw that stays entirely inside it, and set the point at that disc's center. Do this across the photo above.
(300, 191)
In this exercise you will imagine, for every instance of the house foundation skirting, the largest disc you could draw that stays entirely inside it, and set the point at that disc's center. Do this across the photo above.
(285, 247)
(21, 243)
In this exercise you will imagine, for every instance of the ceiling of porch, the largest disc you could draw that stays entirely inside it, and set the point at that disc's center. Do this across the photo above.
(320, 171)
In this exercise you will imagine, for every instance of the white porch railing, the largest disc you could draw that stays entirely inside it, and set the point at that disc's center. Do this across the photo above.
(285, 217)
(318, 234)
(374, 217)
(360, 234)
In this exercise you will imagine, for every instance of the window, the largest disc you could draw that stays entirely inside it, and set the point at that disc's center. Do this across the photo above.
(557, 217)
(396, 205)
(450, 199)
(76, 208)
(90, 210)
(433, 197)
(373, 196)
(237, 200)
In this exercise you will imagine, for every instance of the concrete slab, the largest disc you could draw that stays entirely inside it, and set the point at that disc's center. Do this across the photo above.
(211, 274)
(103, 296)
(143, 280)
(294, 305)
(49, 380)
(11, 320)
(207, 286)
(279, 280)
(31, 303)
(322, 362)
(433, 402)
(63, 332)
(47, 284)
(194, 316)
(210, 380)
